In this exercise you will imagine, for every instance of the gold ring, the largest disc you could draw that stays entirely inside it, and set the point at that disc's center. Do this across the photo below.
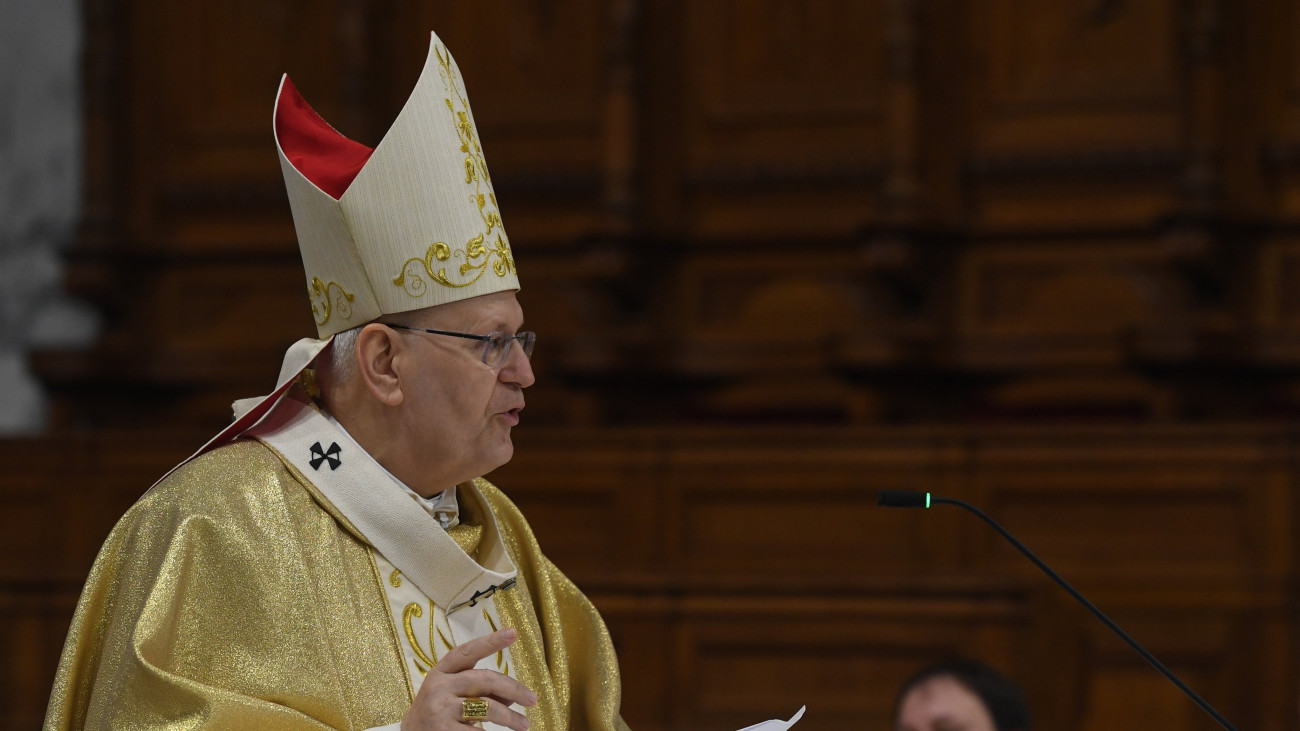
(473, 709)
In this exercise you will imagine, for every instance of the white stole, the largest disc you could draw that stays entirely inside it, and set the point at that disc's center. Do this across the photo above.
(438, 596)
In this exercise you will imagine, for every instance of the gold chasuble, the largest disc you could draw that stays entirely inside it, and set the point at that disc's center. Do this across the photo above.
(287, 582)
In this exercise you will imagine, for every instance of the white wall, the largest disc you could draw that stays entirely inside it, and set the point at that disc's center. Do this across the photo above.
(40, 195)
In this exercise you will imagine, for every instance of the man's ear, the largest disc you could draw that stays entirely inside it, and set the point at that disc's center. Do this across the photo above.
(377, 346)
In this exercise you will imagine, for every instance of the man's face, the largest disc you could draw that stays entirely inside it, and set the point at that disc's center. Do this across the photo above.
(943, 704)
(457, 412)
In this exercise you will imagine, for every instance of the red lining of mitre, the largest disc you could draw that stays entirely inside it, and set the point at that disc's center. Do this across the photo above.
(317, 150)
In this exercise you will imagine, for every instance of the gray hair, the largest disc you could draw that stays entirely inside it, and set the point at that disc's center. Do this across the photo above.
(343, 355)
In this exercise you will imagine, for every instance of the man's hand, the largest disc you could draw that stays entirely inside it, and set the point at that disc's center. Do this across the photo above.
(437, 706)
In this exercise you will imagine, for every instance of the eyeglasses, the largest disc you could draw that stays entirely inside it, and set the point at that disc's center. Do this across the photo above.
(496, 346)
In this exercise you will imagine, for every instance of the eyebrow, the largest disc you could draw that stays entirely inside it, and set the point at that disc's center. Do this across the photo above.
(503, 326)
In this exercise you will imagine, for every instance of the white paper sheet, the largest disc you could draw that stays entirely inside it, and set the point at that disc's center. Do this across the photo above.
(776, 725)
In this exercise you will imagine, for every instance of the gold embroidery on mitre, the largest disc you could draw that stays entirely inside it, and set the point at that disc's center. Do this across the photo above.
(396, 578)
(329, 299)
(476, 255)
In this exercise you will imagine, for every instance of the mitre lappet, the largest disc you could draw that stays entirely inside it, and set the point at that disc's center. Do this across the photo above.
(409, 224)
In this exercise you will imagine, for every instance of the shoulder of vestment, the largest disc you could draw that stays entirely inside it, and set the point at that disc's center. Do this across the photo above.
(224, 483)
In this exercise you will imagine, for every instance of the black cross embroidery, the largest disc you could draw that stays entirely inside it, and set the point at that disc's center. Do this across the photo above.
(319, 455)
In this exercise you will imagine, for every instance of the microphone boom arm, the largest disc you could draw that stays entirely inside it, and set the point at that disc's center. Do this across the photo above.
(910, 499)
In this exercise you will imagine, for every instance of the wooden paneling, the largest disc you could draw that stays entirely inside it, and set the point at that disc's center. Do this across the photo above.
(201, 79)
(1199, 640)
(1277, 302)
(747, 572)
(1284, 21)
(788, 163)
(756, 83)
(841, 657)
(573, 497)
(817, 496)
(1281, 150)
(742, 314)
(35, 619)
(1088, 70)
(776, 135)
(1063, 89)
(1201, 508)
(1057, 304)
(1181, 535)
(1212, 505)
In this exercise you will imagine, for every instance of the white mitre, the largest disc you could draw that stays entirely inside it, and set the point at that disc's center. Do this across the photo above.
(412, 223)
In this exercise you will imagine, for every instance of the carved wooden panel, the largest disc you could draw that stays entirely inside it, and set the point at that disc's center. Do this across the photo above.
(1078, 111)
(1278, 297)
(1202, 639)
(778, 135)
(28, 503)
(817, 495)
(203, 172)
(771, 310)
(1075, 190)
(754, 67)
(594, 509)
(737, 658)
(539, 63)
(741, 661)
(1283, 147)
(52, 528)
(1277, 314)
(34, 621)
(1078, 73)
(1188, 522)
(226, 307)
(723, 555)
(782, 293)
(1045, 304)
(1276, 318)
(1211, 510)
(1280, 21)
(1294, 66)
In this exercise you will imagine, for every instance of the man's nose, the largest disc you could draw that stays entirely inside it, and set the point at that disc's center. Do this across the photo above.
(518, 368)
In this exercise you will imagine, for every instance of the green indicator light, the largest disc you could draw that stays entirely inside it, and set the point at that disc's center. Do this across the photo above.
(927, 500)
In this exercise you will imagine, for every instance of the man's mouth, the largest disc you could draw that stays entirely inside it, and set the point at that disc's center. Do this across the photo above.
(511, 416)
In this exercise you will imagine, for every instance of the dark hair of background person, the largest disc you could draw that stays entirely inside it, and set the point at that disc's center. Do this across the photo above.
(1003, 699)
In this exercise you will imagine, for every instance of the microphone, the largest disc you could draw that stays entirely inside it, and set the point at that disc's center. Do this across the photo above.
(912, 499)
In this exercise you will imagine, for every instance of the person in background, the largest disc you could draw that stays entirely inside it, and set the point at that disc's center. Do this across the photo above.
(960, 695)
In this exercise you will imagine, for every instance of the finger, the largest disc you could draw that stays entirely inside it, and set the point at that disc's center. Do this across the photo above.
(501, 715)
(465, 656)
(491, 684)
